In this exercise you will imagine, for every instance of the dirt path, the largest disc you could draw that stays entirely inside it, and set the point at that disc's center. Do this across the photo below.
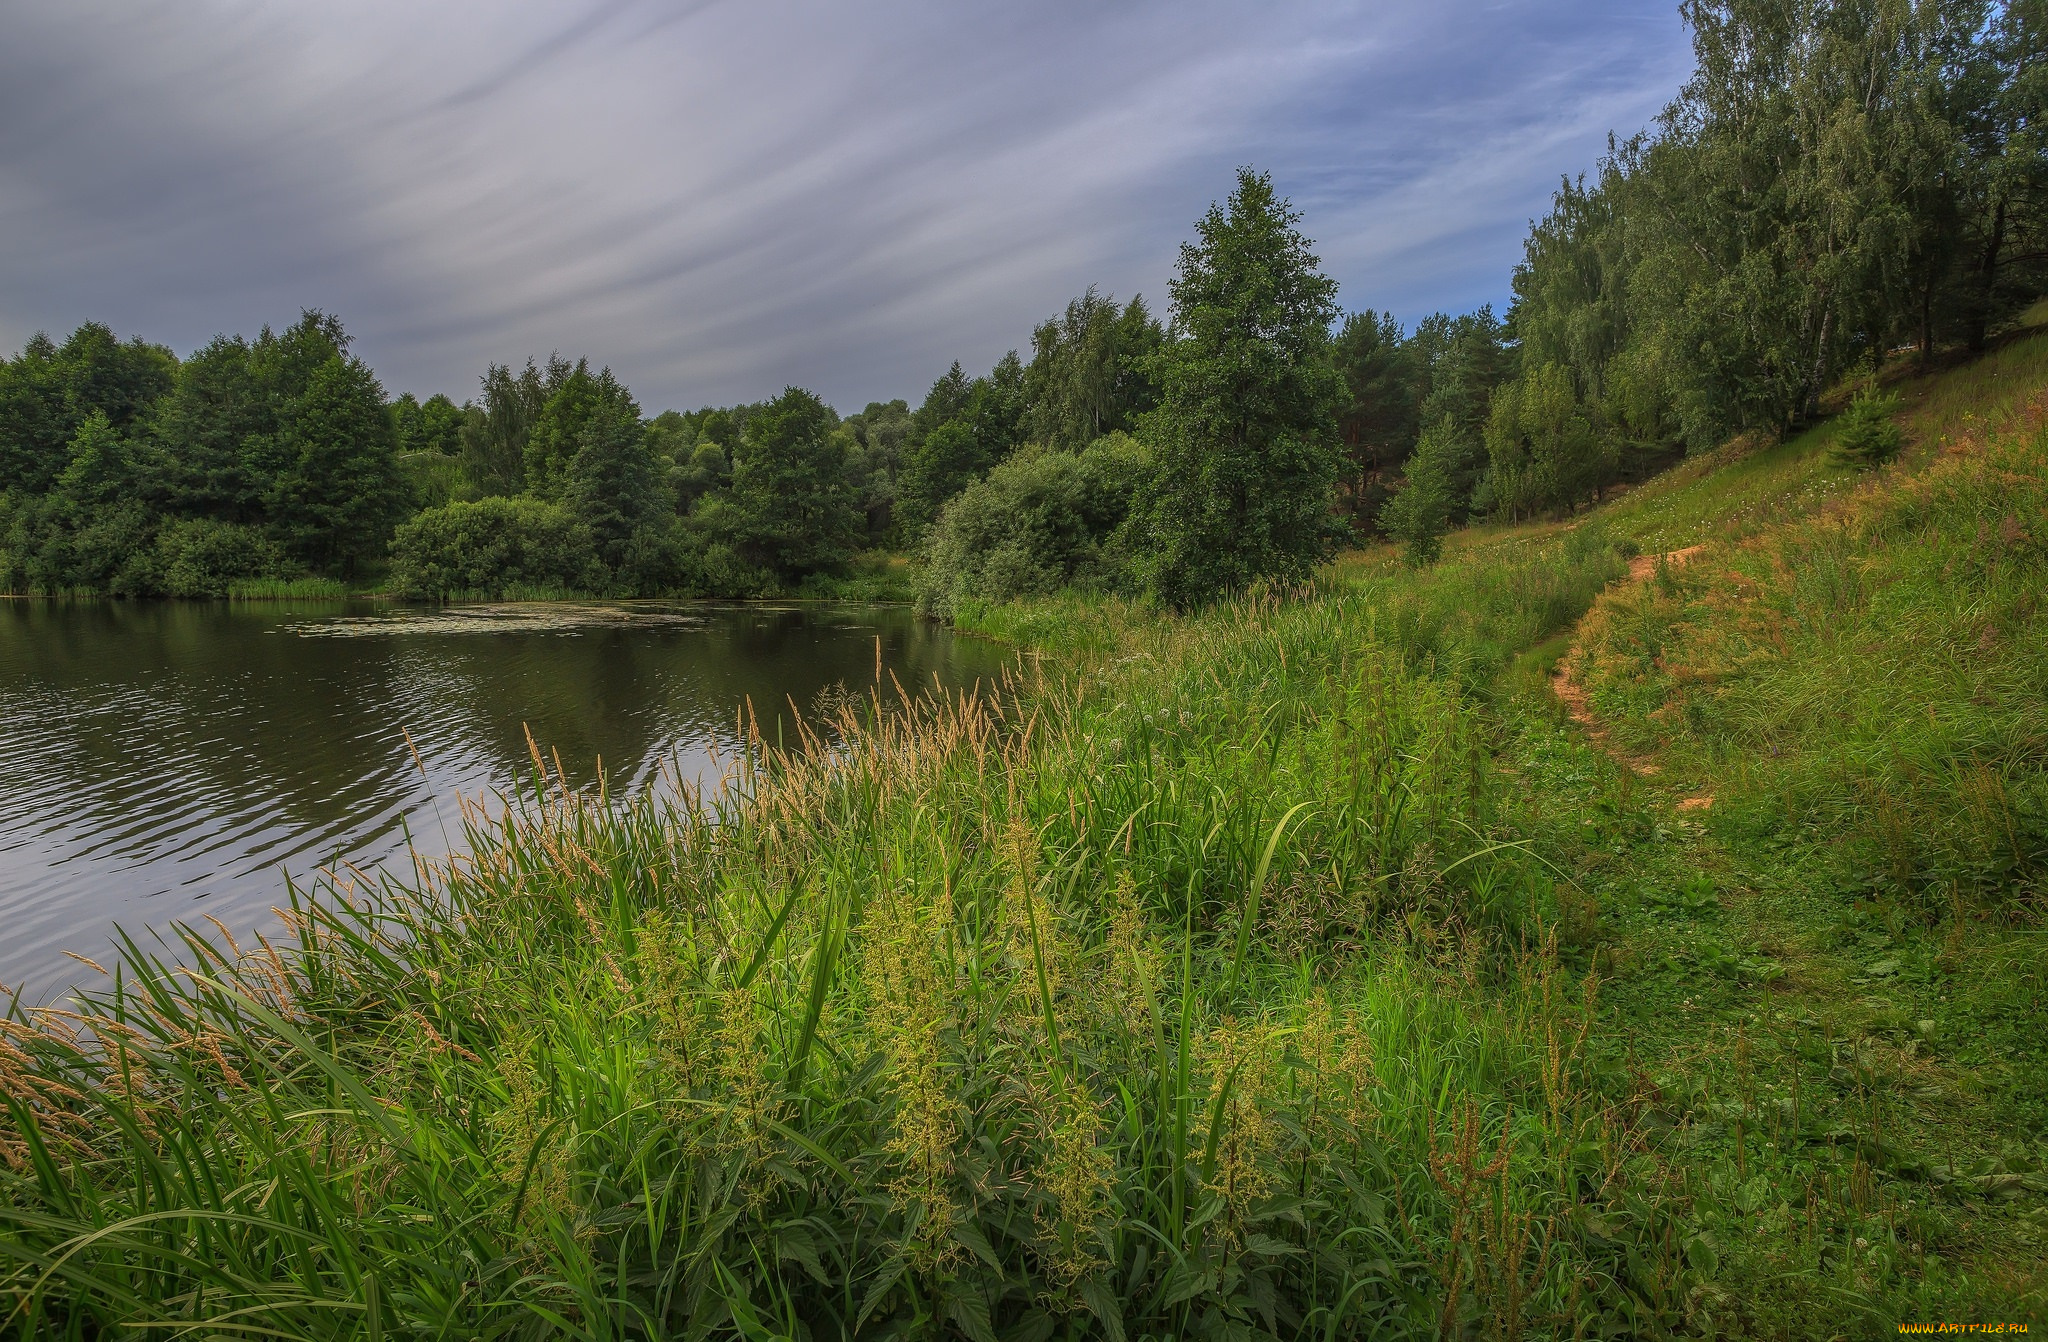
(1573, 695)
(1644, 567)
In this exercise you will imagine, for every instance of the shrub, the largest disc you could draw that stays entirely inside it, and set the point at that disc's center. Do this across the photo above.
(1865, 434)
(201, 557)
(490, 547)
(1038, 522)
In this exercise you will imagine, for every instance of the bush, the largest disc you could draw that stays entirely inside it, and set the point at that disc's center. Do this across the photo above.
(490, 547)
(200, 557)
(1038, 522)
(1865, 434)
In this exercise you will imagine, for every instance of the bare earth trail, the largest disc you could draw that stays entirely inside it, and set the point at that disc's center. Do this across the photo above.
(1573, 695)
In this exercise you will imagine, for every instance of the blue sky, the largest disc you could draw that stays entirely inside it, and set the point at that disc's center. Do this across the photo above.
(718, 199)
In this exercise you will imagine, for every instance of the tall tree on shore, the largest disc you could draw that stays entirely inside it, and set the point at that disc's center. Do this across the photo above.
(791, 509)
(50, 390)
(614, 489)
(334, 504)
(1245, 434)
(496, 430)
(969, 426)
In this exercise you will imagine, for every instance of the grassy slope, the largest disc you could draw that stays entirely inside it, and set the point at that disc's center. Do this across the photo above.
(1831, 981)
(1295, 969)
(1860, 683)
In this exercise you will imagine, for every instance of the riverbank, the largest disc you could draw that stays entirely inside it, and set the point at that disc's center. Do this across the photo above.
(1294, 967)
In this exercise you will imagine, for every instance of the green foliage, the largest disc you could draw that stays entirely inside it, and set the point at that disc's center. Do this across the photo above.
(705, 470)
(495, 434)
(791, 509)
(431, 479)
(613, 489)
(202, 557)
(578, 401)
(285, 437)
(1379, 425)
(1545, 453)
(339, 491)
(1866, 433)
(1036, 523)
(435, 426)
(1835, 178)
(878, 442)
(491, 548)
(1091, 372)
(962, 429)
(1245, 432)
(1461, 360)
(1419, 514)
(218, 425)
(92, 530)
(50, 391)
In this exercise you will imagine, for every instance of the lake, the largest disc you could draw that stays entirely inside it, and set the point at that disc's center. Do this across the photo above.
(160, 762)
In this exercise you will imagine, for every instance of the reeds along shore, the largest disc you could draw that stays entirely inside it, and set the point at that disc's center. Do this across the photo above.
(1208, 987)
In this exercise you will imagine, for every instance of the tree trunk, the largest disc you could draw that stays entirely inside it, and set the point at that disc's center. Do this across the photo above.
(1987, 279)
(1927, 322)
(1816, 384)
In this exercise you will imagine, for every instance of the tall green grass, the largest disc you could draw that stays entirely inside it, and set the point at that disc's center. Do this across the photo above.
(288, 589)
(1208, 988)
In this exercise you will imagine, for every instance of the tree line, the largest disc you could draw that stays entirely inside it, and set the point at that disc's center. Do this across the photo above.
(1837, 181)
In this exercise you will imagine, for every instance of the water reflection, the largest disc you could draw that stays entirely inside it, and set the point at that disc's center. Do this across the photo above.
(160, 762)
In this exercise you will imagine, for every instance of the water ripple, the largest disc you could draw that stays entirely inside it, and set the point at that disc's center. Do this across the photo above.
(159, 762)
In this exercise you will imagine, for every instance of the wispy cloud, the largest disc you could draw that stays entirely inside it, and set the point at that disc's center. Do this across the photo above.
(718, 199)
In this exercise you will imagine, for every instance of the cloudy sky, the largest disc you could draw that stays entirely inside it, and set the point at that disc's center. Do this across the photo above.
(718, 199)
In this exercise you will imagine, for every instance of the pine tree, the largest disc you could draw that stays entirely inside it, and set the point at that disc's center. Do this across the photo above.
(1420, 512)
(615, 490)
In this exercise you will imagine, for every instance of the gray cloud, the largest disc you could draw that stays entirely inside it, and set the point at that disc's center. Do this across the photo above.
(720, 198)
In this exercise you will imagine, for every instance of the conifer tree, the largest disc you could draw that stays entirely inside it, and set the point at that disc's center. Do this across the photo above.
(615, 490)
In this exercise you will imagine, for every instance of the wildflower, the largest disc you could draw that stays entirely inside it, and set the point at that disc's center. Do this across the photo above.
(909, 1011)
(1242, 1063)
(1074, 1171)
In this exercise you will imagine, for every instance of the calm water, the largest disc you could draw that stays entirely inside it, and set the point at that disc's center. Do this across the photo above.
(162, 762)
